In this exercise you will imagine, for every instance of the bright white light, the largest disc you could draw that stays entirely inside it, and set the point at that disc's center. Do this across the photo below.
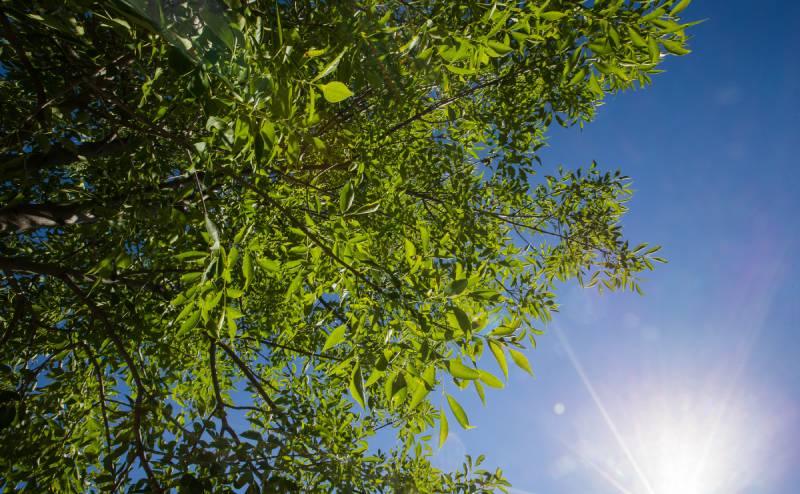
(671, 435)
(689, 445)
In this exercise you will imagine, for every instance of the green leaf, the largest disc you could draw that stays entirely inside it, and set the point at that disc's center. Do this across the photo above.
(247, 269)
(191, 255)
(578, 77)
(500, 48)
(251, 434)
(191, 322)
(330, 68)
(461, 371)
(189, 277)
(655, 54)
(334, 338)
(521, 360)
(479, 389)
(460, 70)
(654, 14)
(374, 377)
(346, 196)
(679, 7)
(456, 287)
(503, 330)
(294, 286)
(420, 392)
(490, 379)
(213, 233)
(443, 427)
(233, 256)
(366, 208)
(357, 388)
(269, 265)
(500, 356)
(464, 322)
(674, 47)
(233, 313)
(232, 328)
(552, 15)
(335, 91)
(595, 86)
(637, 38)
(458, 412)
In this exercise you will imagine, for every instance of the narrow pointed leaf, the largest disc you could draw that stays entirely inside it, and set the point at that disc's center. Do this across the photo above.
(500, 356)
(461, 371)
(458, 412)
(491, 380)
(521, 360)
(444, 429)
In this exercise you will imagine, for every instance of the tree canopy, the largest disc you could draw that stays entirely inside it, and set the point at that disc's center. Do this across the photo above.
(239, 237)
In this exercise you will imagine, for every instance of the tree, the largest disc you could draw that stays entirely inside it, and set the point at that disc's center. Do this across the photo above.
(240, 237)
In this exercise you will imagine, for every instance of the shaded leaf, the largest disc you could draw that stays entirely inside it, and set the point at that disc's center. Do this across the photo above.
(334, 338)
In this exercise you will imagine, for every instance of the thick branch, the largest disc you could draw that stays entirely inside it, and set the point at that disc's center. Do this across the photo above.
(15, 165)
(23, 265)
(23, 217)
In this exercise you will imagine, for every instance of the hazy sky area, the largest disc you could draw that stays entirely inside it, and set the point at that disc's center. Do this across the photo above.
(695, 387)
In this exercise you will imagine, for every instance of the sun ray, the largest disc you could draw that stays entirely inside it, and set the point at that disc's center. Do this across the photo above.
(602, 409)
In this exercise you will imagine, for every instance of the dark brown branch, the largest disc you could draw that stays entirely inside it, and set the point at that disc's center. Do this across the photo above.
(23, 217)
(23, 265)
(15, 165)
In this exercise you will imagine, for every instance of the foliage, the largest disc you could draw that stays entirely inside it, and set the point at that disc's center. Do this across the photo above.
(240, 237)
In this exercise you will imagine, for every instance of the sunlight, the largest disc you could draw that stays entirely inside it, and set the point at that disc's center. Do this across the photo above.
(665, 436)
(690, 450)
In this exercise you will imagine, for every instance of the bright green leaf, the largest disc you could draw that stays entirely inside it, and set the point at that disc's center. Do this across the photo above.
(335, 91)
(521, 360)
(458, 412)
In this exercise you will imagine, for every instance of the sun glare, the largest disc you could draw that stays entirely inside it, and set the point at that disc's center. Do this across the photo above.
(687, 445)
(660, 435)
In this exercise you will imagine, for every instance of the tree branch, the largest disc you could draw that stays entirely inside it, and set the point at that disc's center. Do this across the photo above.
(140, 388)
(250, 376)
(13, 165)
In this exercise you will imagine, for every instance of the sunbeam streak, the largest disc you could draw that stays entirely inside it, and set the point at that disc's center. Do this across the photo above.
(603, 412)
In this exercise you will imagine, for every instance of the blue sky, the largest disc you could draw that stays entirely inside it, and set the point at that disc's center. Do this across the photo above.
(700, 377)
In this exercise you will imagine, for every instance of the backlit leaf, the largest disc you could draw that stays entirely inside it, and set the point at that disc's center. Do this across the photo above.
(521, 360)
(335, 91)
(458, 412)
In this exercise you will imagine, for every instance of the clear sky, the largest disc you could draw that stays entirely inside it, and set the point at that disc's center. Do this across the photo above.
(695, 387)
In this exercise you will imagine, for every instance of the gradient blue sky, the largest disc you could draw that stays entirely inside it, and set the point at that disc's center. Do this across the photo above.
(709, 358)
